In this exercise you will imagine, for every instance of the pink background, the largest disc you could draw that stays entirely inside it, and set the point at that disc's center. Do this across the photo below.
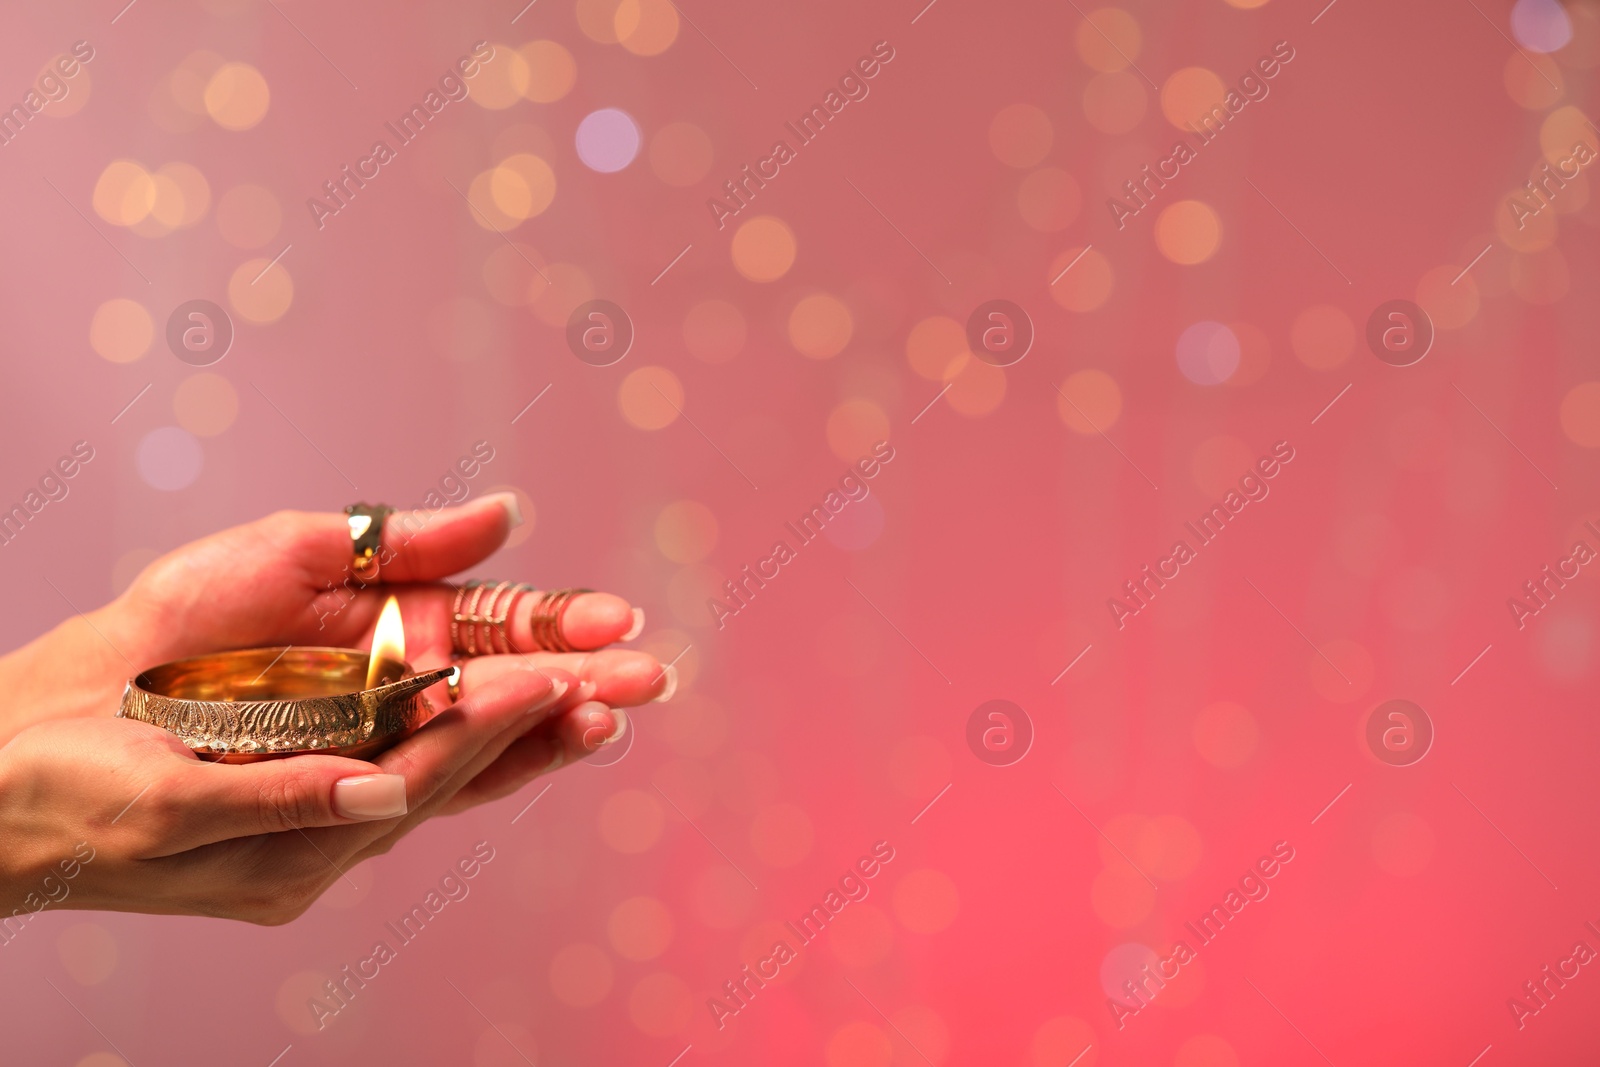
(824, 718)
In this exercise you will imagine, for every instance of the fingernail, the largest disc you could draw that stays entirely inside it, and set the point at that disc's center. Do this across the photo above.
(620, 728)
(370, 796)
(558, 689)
(512, 505)
(637, 628)
(586, 691)
(671, 687)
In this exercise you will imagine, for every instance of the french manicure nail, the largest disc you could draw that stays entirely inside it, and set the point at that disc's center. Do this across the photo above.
(370, 796)
(586, 691)
(637, 628)
(671, 687)
(512, 505)
(620, 728)
(558, 689)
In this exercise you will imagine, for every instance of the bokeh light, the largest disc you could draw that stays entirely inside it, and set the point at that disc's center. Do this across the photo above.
(820, 326)
(1189, 95)
(1115, 102)
(503, 81)
(607, 140)
(640, 928)
(1086, 282)
(124, 193)
(686, 531)
(1449, 297)
(261, 291)
(1020, 135)
(1322, 336)
(1090, 401)
(714, 331)
(236, 96)
(681, 154)
(551, 71)
(650, 398)
(1540, 25)
(1048, 199)
(631, 821)
(1108, 39)
(1208, 353)
(646, 27)
(1580, 414)
(926, 901)
(1188, 232)
(248, 216)
(854, 426)
(763, 248)
(205, 404)
(581, 975)
(169, 458)
(121, 330)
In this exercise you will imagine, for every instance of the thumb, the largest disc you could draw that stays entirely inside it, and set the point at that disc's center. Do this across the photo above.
(221, 801)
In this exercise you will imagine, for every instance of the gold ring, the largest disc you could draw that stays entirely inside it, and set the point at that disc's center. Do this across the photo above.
(483, 608)
(366, 534)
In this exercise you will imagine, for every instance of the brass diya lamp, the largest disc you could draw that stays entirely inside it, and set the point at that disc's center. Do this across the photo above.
(265, 703)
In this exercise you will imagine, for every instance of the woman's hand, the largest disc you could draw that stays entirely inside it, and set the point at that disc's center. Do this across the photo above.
(105, 813)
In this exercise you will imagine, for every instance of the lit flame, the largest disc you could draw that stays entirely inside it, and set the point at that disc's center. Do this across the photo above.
(388, 641)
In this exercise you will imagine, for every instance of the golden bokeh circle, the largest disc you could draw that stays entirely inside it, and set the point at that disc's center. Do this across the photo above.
(1580, 414)
(680, 154)
(552, 71)
(1449, 298)
(1020, 135)
(763, 248)
(1088, 280)
(937, 349)
(650, 398)
(121, 330)
(686, 531)
(503, 80)
(1115, 102)
(1108, 39)
(820, 325)
(236, 96)
(124, 193)
(205, 404)
(522, 186)
(1090, 402)
(1189, 95)
(646, 27)
(1188, 232)
(854, 426)
(260, 293)
(1322, 336)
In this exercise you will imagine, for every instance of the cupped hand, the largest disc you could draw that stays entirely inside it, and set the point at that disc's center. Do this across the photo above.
(142, 825)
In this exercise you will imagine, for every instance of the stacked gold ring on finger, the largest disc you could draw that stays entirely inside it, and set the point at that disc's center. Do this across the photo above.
(479, 620)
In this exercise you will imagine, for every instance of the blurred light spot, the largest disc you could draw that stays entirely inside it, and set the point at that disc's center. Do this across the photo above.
(680, 154)
(1108, 39)
(1562, 130)
(205, 404)
(1020, 135)
(859, 1044)
(1059, 1040)
(522, 186)
(248, 216)
(1048, 199)
(936, 348)
(1534, 82)
(169, 458)
(551, 71)
(607, 140)
(646, 27)
(926, 901)
(854, 426)
(1206, 1050)
(1322, 337)
(1188, 232)
(125, 193)
(1126, 963)
(598, 20)
(686, 531)
(640, 928)
(236, 96)
(1190, 94)
(128, 566)
(781, 835)
(1580, 414)
(554, 301)
(502, 81)
(260, 293)
(1087, 282)
(88, 952)
(581, 975)
(1540, 25)
(661, 1005)
(121, 330)
(714, 331)
(1091, 402)
(511, 273)
(1208, 353)
(1120, 896)
(1116, 102)
(631, 821)
(820, 325)
(294, 993)
(763, 249)
(1225, 735)
(1255, 354)
(650, 398)
(1402, 844)
(1528, 228)
(1450, 306)
(1540, 277)
(79, 88)
(976, 389)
